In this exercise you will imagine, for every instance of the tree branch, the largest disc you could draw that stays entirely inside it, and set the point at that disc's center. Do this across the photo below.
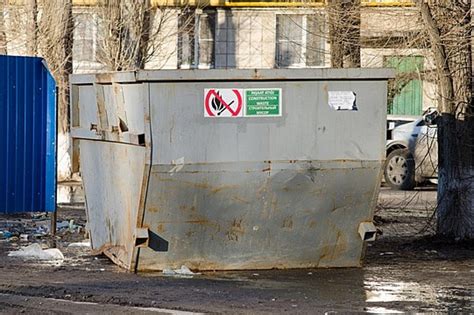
(441, 60)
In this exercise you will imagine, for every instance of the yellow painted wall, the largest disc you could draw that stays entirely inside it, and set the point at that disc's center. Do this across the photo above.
(256, 3)
(244, 3)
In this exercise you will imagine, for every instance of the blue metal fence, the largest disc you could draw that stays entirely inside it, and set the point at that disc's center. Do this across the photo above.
(27, 136)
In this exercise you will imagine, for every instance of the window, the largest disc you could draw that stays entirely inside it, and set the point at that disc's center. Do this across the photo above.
(299, 41)
(196, 40)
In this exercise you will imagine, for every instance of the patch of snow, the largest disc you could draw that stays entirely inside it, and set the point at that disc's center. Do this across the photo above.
(34, 251)
(382, 310)
(183, 271)
(84, 243)
(168, 272)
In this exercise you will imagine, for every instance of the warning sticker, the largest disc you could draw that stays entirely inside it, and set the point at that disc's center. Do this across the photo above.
(223, 103)
(262, 102)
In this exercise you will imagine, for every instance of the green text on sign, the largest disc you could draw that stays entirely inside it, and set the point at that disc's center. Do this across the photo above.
(263, 102)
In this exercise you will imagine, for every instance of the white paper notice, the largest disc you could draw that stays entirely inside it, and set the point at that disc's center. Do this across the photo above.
(342, 100)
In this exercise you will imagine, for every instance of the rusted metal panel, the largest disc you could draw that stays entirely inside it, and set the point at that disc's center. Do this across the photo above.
(109, 112)
(258, 215)
(297, 190)
(112, 186)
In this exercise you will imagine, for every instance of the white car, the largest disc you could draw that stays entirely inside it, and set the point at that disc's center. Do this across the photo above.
(412, 153)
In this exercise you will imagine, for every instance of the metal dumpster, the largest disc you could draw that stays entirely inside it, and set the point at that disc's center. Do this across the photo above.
(231, 169)
(27, 135)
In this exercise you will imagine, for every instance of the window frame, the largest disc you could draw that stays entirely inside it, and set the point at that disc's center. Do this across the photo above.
(303, 43)
(197, 41)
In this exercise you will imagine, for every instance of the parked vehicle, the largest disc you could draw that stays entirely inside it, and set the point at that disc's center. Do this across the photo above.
(412, 153)
(394, 121)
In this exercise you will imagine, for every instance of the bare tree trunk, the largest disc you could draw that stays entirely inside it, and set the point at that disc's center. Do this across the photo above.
(112, 30)
(32, 27)
(445, 85)
(344, 33)
(65, 68)
(139, 28)
(3, 36)
(56, 39)
(67, 41)
(335, 28)
(448, 25)
(352, 42)
(126, 27)
(144, 35)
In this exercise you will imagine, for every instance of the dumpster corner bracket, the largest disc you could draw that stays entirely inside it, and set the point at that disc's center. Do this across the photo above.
(141, 237)
(367, 231)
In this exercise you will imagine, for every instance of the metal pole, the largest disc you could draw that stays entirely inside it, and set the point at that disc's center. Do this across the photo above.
(54, 217)
(54, 214)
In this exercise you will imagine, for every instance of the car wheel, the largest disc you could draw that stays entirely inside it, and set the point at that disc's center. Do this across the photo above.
(400, 170)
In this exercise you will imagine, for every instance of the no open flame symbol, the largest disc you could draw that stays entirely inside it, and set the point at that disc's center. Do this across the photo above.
(223, 103)
(218, 105)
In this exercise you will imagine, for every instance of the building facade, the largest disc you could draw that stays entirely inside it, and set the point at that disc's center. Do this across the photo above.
(274, 34)
(226, 34)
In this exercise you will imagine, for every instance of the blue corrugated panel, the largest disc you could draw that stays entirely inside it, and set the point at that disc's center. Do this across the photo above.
(27, 136)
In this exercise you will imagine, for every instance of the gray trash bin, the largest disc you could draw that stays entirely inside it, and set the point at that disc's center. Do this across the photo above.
(231, 169)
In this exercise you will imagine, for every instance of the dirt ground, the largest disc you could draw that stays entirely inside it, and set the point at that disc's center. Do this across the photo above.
(406, 270)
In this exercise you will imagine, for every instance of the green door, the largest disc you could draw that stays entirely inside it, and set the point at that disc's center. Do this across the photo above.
(408, 100)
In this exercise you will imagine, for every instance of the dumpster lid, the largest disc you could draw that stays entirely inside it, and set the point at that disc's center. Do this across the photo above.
(351, 74)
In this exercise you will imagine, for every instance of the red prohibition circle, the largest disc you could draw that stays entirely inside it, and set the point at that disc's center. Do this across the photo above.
(213, 92)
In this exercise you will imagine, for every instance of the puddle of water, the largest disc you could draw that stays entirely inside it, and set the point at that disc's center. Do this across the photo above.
(381, 291)
(382, 310)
